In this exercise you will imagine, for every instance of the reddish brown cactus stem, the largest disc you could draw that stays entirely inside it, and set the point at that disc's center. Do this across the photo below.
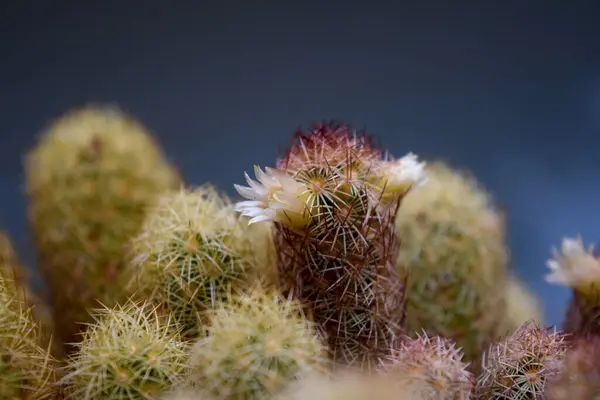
(342, 263)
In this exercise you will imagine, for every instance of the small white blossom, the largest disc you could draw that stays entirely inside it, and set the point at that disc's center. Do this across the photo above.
(275, 196)
(403, 173)
(573, 266)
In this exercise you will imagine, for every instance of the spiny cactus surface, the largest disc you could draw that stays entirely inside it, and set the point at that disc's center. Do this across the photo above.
(131, 352)
(333, 201)
(27, 370)
(430, 368)
(521, 366)
(257, 344)
(192, 252)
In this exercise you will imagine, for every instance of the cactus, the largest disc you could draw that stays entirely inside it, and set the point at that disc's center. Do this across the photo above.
(579, 376)
(349, 385)
(191, 253)
(256, 345)
(186, 394)
(131, 352)
(430, 368)
(521, 366)
(89, 180)
(333, 200)
(454, 256)
(522, 305)
(579, 269)
(27, 370)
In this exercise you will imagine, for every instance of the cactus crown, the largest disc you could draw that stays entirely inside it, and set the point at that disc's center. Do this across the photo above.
(191, 251)
(430, 367)
(521, 366)
(257, 343)
(131, 352)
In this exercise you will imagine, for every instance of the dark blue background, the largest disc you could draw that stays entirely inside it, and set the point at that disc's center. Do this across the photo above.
(510, 90)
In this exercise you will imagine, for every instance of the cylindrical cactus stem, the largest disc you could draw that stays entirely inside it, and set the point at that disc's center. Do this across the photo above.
(333, 199)
(90, 178)
(579, 269)
(521, 366)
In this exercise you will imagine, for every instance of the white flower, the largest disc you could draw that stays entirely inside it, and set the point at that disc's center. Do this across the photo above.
(276, 196)
(399, 175)
(573, 266)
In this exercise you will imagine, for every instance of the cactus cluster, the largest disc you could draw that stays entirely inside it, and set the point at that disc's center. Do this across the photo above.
(341, 273)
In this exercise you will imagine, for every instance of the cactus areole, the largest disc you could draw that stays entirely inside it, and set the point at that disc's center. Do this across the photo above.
(333, 199)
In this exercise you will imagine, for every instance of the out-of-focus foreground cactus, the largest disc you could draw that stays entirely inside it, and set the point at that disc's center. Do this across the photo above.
(333, 199)
(192, 253)
(349, 385)
(454, 256)
(257, 344)
(89, 180)
(132, 352)
(579, 375)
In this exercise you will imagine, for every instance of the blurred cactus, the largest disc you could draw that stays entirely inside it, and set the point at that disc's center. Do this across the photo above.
(89, 180)
(455, 259)
(132, 352)
(522, 305)
(578, 268)
(191, 253)
(27, 370)
(333, 201)
(521, 366)
(256, 345)
(430, 368)
(579, 376)
(349, 385)
(15, 276)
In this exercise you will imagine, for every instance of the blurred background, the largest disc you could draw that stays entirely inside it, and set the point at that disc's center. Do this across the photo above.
(509, 90)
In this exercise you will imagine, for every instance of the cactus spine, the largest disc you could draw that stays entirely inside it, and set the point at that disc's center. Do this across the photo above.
(191, 253)
(89, 179)
(333, 199)
(256, 345)
(454, 256)
(132, 352)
